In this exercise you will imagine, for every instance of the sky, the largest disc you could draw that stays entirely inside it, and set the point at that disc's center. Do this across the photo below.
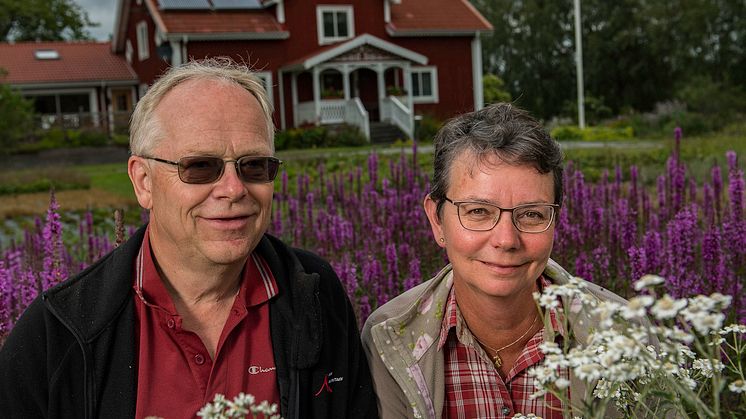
(103, 12)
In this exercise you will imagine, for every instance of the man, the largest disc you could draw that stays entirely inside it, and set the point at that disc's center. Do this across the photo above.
(200, 301)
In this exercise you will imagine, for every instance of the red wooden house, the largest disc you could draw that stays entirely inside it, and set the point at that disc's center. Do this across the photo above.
(324, 61)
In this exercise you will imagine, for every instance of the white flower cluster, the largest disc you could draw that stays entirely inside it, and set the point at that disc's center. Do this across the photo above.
(648, 346)
(240, 407)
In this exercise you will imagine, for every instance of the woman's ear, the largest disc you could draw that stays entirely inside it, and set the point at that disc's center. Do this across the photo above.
(142, 181)
(431, 209)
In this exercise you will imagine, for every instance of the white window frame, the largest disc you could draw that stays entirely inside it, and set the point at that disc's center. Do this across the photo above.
(433, 97)
(143, 43)
(128, 51)
(348, 10)
(266, 78)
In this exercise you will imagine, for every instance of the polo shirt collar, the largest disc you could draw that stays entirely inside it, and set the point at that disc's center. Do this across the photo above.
(258, 285)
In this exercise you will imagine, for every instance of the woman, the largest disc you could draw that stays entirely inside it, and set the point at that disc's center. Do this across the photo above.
(461, 344)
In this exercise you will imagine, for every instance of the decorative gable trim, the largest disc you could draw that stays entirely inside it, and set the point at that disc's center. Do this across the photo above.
(366, 39)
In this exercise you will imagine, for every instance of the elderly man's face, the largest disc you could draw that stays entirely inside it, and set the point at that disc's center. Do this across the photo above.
(215, 223)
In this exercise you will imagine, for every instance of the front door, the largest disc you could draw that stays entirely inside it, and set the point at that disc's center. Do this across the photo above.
(365, 86)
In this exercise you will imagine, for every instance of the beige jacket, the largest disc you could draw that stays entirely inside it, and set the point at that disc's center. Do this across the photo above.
(400, 340)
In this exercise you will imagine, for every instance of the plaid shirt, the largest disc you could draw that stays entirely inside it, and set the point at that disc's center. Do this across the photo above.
(473, 387)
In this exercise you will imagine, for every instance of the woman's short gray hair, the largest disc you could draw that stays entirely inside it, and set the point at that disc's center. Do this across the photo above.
(145, 130)
(499, 129)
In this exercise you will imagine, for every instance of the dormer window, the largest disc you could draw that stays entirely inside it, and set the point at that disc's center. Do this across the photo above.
(46, 54)
(335, 23)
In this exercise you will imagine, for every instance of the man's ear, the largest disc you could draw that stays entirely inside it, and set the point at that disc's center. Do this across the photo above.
(431, 209)
(139, 172)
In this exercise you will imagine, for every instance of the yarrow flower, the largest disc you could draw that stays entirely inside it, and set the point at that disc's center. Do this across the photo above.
(667, 307)
(648, 281)
(241, 406)
(636, 308)
(738, 386)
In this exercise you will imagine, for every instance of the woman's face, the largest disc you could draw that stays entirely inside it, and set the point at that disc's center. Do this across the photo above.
(502, 262)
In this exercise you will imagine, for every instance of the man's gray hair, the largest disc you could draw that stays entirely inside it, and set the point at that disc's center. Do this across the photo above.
(499, 129)
(145, 130)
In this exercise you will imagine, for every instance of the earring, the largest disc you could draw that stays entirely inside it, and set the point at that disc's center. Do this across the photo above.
(442, 240)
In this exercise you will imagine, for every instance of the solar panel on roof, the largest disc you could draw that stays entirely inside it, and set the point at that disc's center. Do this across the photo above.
(237, 4)
(184, 4)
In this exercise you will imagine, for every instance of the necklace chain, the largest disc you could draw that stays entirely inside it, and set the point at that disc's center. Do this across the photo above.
(496, 359)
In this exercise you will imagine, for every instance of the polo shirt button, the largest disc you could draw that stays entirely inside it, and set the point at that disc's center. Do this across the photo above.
(199, 359)
(171, 323)
(506, 410)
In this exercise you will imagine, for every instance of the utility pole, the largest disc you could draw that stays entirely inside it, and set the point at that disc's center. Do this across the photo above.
(579, 65)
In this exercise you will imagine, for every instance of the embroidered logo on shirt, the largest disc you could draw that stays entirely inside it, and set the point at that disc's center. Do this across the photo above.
(255, 369)
(328, 380)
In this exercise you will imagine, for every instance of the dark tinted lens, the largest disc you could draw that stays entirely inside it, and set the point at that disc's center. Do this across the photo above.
(200, 169)
(258, 169)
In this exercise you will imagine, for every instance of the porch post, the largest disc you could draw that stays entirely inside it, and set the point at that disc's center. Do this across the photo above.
(381, 87)
(294, 94)
(281, 77)
(407, 74)
(316, 95)
(346, 80)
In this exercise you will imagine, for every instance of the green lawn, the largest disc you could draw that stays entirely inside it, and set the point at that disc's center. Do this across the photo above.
(699, 153)
(109, 177)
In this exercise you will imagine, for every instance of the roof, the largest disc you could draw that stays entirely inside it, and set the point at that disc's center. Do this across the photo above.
(76, 62)
(225, 21)
(435, 17)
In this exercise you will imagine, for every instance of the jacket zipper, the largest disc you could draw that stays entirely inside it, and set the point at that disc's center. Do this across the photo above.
(88, 400)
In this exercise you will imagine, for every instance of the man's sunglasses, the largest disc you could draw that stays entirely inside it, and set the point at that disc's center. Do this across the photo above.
(205, 169)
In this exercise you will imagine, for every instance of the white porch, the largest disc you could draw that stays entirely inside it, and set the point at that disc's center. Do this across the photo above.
(359, 81)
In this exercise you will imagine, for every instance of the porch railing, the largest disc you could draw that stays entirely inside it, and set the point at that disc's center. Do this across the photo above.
(355, 114)
(111, 122)
(336, 111)
(395, 112)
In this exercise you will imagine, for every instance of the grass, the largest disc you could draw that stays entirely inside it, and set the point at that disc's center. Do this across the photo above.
(110, 177)
(109, 185)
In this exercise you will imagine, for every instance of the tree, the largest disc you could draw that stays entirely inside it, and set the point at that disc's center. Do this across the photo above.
(636, 53)
(43, 20)
(531, 49)
(16, 116)
(494, 89)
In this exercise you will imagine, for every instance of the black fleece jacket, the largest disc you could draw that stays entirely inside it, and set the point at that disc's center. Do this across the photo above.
(72, 353)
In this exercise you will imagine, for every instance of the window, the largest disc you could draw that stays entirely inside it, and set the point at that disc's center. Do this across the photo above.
(128, 51)
(143, 44)
(47, 54)
(335, 23)
(425, 85)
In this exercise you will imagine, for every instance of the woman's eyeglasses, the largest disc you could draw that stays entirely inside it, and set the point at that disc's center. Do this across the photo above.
(528, 218)
(205, 169)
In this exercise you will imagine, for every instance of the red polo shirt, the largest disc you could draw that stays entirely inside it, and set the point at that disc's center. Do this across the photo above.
(176, 375)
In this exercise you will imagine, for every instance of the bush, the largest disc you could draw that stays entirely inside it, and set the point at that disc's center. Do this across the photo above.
(63, 138)
(426, 128)
(29, 181)
(121, 140)
(571, 132)
(16, 117)
(595, 110)
(494, 89)
(345, 136)
(338, 136)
